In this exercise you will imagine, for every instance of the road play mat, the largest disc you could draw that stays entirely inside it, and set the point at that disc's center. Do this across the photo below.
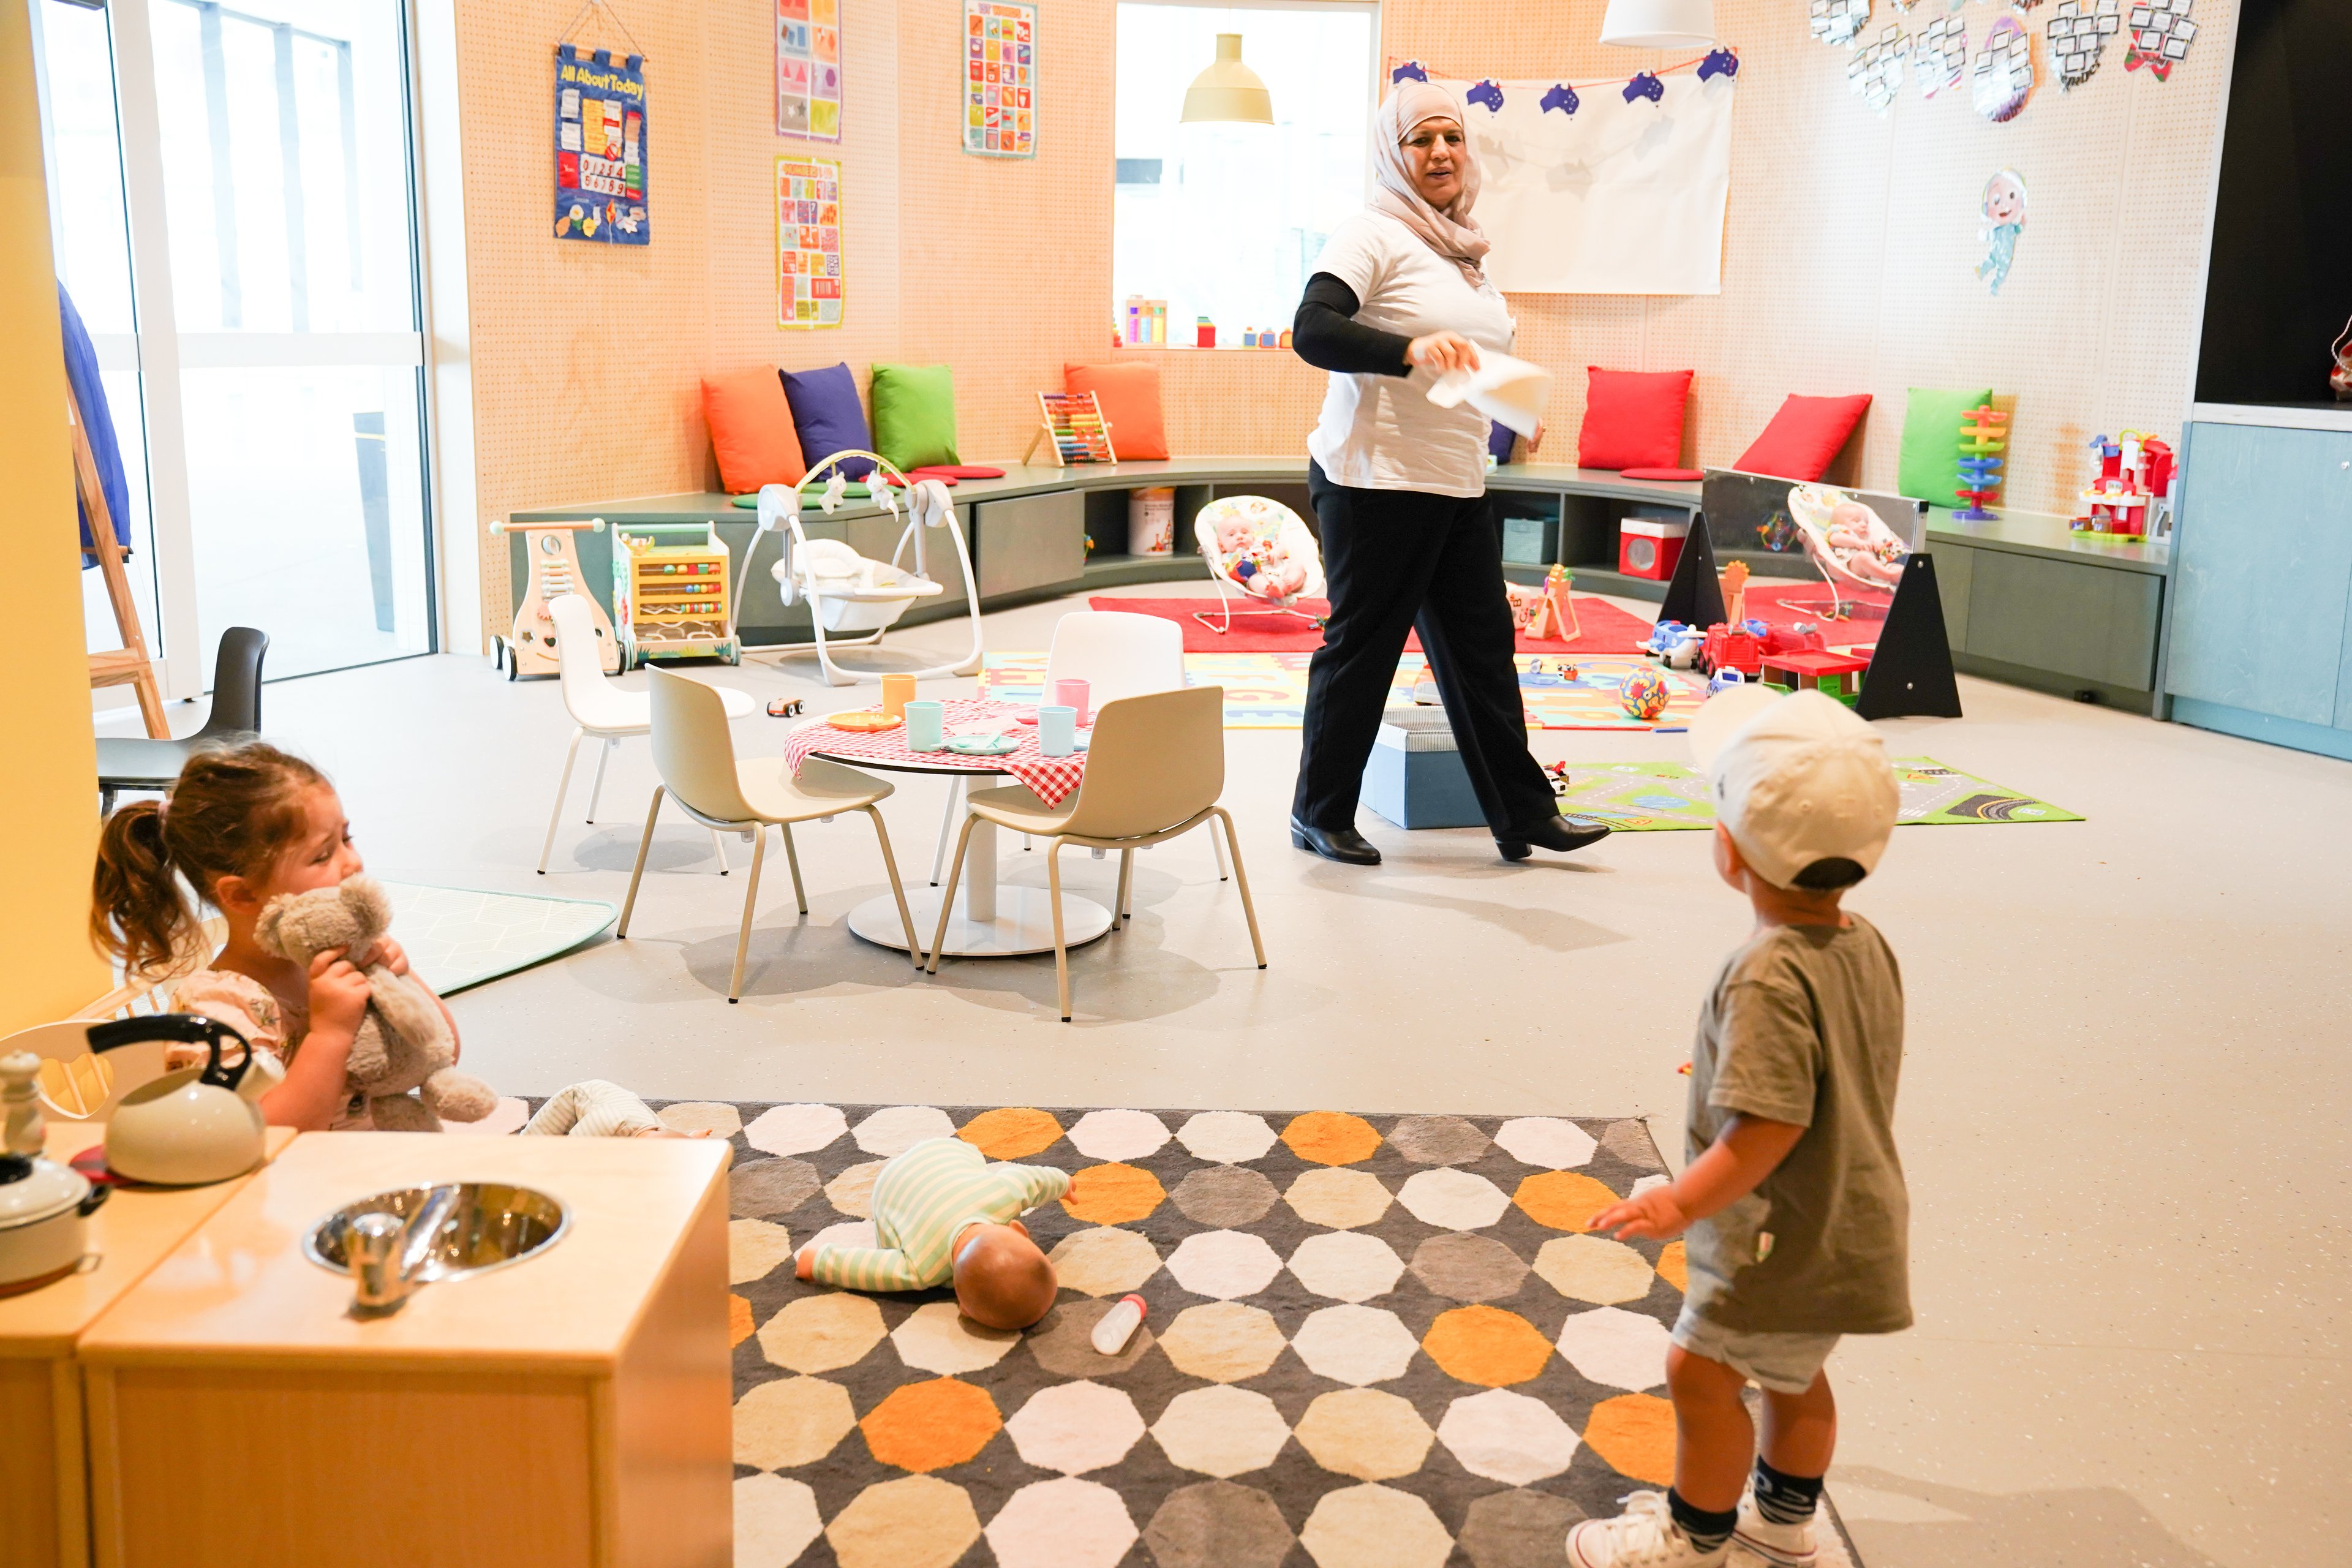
(1650, 797)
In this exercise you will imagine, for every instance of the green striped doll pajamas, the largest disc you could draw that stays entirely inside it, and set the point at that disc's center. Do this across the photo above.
(921, 1199)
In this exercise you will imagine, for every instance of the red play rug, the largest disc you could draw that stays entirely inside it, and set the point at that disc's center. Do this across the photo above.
(1607, 628)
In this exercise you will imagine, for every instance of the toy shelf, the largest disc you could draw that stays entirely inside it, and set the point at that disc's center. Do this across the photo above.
(673, 600)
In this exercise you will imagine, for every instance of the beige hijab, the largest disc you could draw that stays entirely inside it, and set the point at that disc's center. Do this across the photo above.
(1449, 230)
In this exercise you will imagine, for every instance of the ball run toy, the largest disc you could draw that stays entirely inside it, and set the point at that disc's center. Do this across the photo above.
(1722, 681)
(1645, 694)
(1982, 441)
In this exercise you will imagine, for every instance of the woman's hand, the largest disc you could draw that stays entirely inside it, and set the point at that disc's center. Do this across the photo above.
(1534, 442)
(339, 994)
(1442, 351)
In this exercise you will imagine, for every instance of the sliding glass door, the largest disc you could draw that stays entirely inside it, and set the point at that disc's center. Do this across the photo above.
(268, 337)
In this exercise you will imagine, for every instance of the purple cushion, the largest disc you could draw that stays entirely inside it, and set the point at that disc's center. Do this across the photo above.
(1499, 439)
(829, 417)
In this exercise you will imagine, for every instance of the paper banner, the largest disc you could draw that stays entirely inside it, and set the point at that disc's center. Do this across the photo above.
(1000, 107)
(808, 242)
(808, 69)
(600, 147)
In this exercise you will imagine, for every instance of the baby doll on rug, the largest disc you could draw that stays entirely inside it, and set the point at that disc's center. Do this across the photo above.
(1258, 558)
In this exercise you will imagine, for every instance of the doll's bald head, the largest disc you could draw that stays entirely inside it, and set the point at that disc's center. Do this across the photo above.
(1002, 1281)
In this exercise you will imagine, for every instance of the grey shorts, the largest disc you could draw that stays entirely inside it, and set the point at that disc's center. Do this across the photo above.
(1784, 1363)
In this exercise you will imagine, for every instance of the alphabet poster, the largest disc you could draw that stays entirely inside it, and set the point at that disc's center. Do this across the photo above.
(808, 69)
(1000, 107)
(600, 147)
(808, 242)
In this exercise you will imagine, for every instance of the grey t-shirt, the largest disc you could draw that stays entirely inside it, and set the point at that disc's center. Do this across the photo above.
(1805, 1026)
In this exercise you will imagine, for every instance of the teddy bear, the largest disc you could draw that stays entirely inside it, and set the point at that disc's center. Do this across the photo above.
(403, 1042)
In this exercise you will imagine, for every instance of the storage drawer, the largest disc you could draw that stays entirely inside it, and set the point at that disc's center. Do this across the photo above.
(1031, 541)
(2096, 623)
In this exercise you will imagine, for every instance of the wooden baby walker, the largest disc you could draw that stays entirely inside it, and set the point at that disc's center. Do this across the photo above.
(529, 647)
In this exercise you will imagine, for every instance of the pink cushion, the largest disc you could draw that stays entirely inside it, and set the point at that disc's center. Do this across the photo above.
(1633, 419)
(1805, 437)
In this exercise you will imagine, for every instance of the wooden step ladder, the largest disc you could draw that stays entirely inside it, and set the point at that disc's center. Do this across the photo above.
(130, 664)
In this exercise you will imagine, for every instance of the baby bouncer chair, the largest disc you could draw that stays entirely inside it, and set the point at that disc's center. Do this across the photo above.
(1259, 536)
(1849, 544)
(854, 599)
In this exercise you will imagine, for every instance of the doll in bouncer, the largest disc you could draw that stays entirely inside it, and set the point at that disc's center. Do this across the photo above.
(1257, 558)
(1848, 536)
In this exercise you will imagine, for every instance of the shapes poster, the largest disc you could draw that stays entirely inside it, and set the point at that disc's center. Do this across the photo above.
(808, 69)
(1000, 107)
(808, 242)
(600, 147)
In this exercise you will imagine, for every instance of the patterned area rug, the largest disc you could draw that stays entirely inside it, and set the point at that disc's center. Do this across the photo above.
(1373, 1342)
(457, 937)
(1655, 797)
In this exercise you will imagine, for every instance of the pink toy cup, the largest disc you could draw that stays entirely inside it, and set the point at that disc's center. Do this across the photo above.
(1074, 694)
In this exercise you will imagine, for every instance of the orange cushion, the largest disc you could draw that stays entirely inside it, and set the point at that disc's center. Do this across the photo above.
(751, 430)
(1129, 396)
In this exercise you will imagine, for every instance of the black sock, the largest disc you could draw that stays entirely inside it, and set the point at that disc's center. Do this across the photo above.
(1784, 1499)
(1707, 1530)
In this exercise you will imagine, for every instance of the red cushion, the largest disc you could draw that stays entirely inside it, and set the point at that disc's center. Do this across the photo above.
(1633, 419)
(1805, 437)
(751, 430)
(1129, 396)
(1679, 476)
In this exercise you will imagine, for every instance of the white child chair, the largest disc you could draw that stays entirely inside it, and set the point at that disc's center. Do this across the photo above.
(1227, 571)
(854, 599)
(602, 711)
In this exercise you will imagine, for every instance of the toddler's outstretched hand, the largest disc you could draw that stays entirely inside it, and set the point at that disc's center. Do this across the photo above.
(1653, 1215)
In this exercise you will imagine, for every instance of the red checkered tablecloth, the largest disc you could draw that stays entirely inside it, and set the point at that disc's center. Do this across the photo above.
(1048, 778)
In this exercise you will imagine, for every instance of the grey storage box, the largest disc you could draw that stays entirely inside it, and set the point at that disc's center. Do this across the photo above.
(1415, 777)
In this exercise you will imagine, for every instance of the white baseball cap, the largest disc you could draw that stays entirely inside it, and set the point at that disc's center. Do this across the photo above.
(1795, 779)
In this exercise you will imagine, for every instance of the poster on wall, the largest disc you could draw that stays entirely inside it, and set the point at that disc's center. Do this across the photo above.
(1603, 192)
(600, 147)
(808, 69)
(1000, 107)
(808, 242)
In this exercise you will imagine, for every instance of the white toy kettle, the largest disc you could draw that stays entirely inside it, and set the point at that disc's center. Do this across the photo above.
(193, 1126)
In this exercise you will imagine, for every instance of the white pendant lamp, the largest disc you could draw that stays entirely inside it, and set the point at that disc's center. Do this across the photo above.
(1659, 23)
(1229, 90)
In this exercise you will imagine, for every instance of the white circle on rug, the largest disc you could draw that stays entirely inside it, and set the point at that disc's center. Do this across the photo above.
(1063, 1523)
(1346, 1266)
(1506, 1436)
(936, 1337)
(1366, 1433)
(857, 1233)
(754, 1248)
(1355, 1345)
(1338, 1198)
(1227, 1137)
(1224, 1264)
(1453, 1200)
(899, 1128)
(775, 1521)
(1612, 1346)
(715, 1117)
(1374, 1526)
(822, 1333)
(795, 1129)
(1221, 1431)
(1593, 1269)
(1550, 1142)
(1075, 1428)
(790, 1422)
(852, 1191)
(1103, 1260)
(1118, 1134)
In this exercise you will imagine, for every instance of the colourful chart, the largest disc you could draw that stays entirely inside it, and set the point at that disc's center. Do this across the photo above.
(1653, 797)
(808, 69)
(1000, 118)
(600, 147)
(808, 242)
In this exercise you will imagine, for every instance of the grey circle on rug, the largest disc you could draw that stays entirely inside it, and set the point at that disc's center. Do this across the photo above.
(1063, 1341)
(1518, 1530)
(1630, 1142)
(1466, 1268)
(1438, 1140)
(760, 1189)
(1224, 1197)
(1221, 1524)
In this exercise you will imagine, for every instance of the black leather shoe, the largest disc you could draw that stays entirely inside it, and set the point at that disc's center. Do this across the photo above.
(1344, 845)
(1560, 833)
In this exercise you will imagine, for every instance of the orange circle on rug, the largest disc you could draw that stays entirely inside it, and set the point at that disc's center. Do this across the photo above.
(1562, 1199)
(930, 1426)
(1331, 1138)
(1673, 1267)
(739, 1319)
(1635, 1433)
(1113, 1195)
(1012, 1132)
(1486, 1345)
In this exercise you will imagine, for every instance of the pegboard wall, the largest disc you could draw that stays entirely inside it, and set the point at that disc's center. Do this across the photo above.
(1848, 258)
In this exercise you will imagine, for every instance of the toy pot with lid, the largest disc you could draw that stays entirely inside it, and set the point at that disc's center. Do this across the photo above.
(195, 1125)
(42, 1202)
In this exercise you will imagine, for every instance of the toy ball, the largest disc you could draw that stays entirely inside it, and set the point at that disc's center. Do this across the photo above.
(1722, 680)
(1645, 693)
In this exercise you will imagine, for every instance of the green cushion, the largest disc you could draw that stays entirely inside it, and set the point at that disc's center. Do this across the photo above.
(1929, 469)
(914, 414)
(809, 498)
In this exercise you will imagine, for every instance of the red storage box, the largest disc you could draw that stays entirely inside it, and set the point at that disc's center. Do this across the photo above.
(1649, 547)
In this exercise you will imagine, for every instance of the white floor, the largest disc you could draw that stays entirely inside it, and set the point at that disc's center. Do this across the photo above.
(2122, 1115)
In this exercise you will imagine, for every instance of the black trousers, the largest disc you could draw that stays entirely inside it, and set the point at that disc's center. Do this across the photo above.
(1400, 561)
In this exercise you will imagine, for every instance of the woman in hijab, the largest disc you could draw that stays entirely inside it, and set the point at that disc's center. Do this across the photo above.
(1397, 299)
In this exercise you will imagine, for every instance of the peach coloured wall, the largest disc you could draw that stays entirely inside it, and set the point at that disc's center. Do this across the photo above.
(1847, 258)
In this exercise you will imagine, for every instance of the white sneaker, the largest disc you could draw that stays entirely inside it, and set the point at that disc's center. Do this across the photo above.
(1644, 1536)
(1783, 1545)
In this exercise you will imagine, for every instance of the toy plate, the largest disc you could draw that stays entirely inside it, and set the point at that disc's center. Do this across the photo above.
(862, 720)
(982, 745)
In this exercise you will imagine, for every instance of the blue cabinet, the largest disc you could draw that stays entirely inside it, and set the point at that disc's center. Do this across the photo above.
(2263, 585)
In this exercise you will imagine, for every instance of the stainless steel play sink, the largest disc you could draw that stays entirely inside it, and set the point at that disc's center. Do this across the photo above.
(449, 1231)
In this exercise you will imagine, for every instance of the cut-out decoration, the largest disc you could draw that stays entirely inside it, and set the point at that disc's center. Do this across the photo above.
(1645, 85)
(1488, 94)
(1412, 70)
(2160, 36)
(2077, 32)
(1940, 58)
(2004, 220)
(1875, 72)
(2003, 75)
(1839, 21)
(1562, 97)
(1722, 62)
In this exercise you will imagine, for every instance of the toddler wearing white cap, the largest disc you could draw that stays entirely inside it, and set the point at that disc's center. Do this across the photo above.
(1793, 1197)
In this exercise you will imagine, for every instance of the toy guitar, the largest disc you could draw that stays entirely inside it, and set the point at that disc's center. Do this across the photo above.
(554, 570)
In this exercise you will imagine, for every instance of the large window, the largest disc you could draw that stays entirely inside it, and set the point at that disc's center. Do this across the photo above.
(1222, 220)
